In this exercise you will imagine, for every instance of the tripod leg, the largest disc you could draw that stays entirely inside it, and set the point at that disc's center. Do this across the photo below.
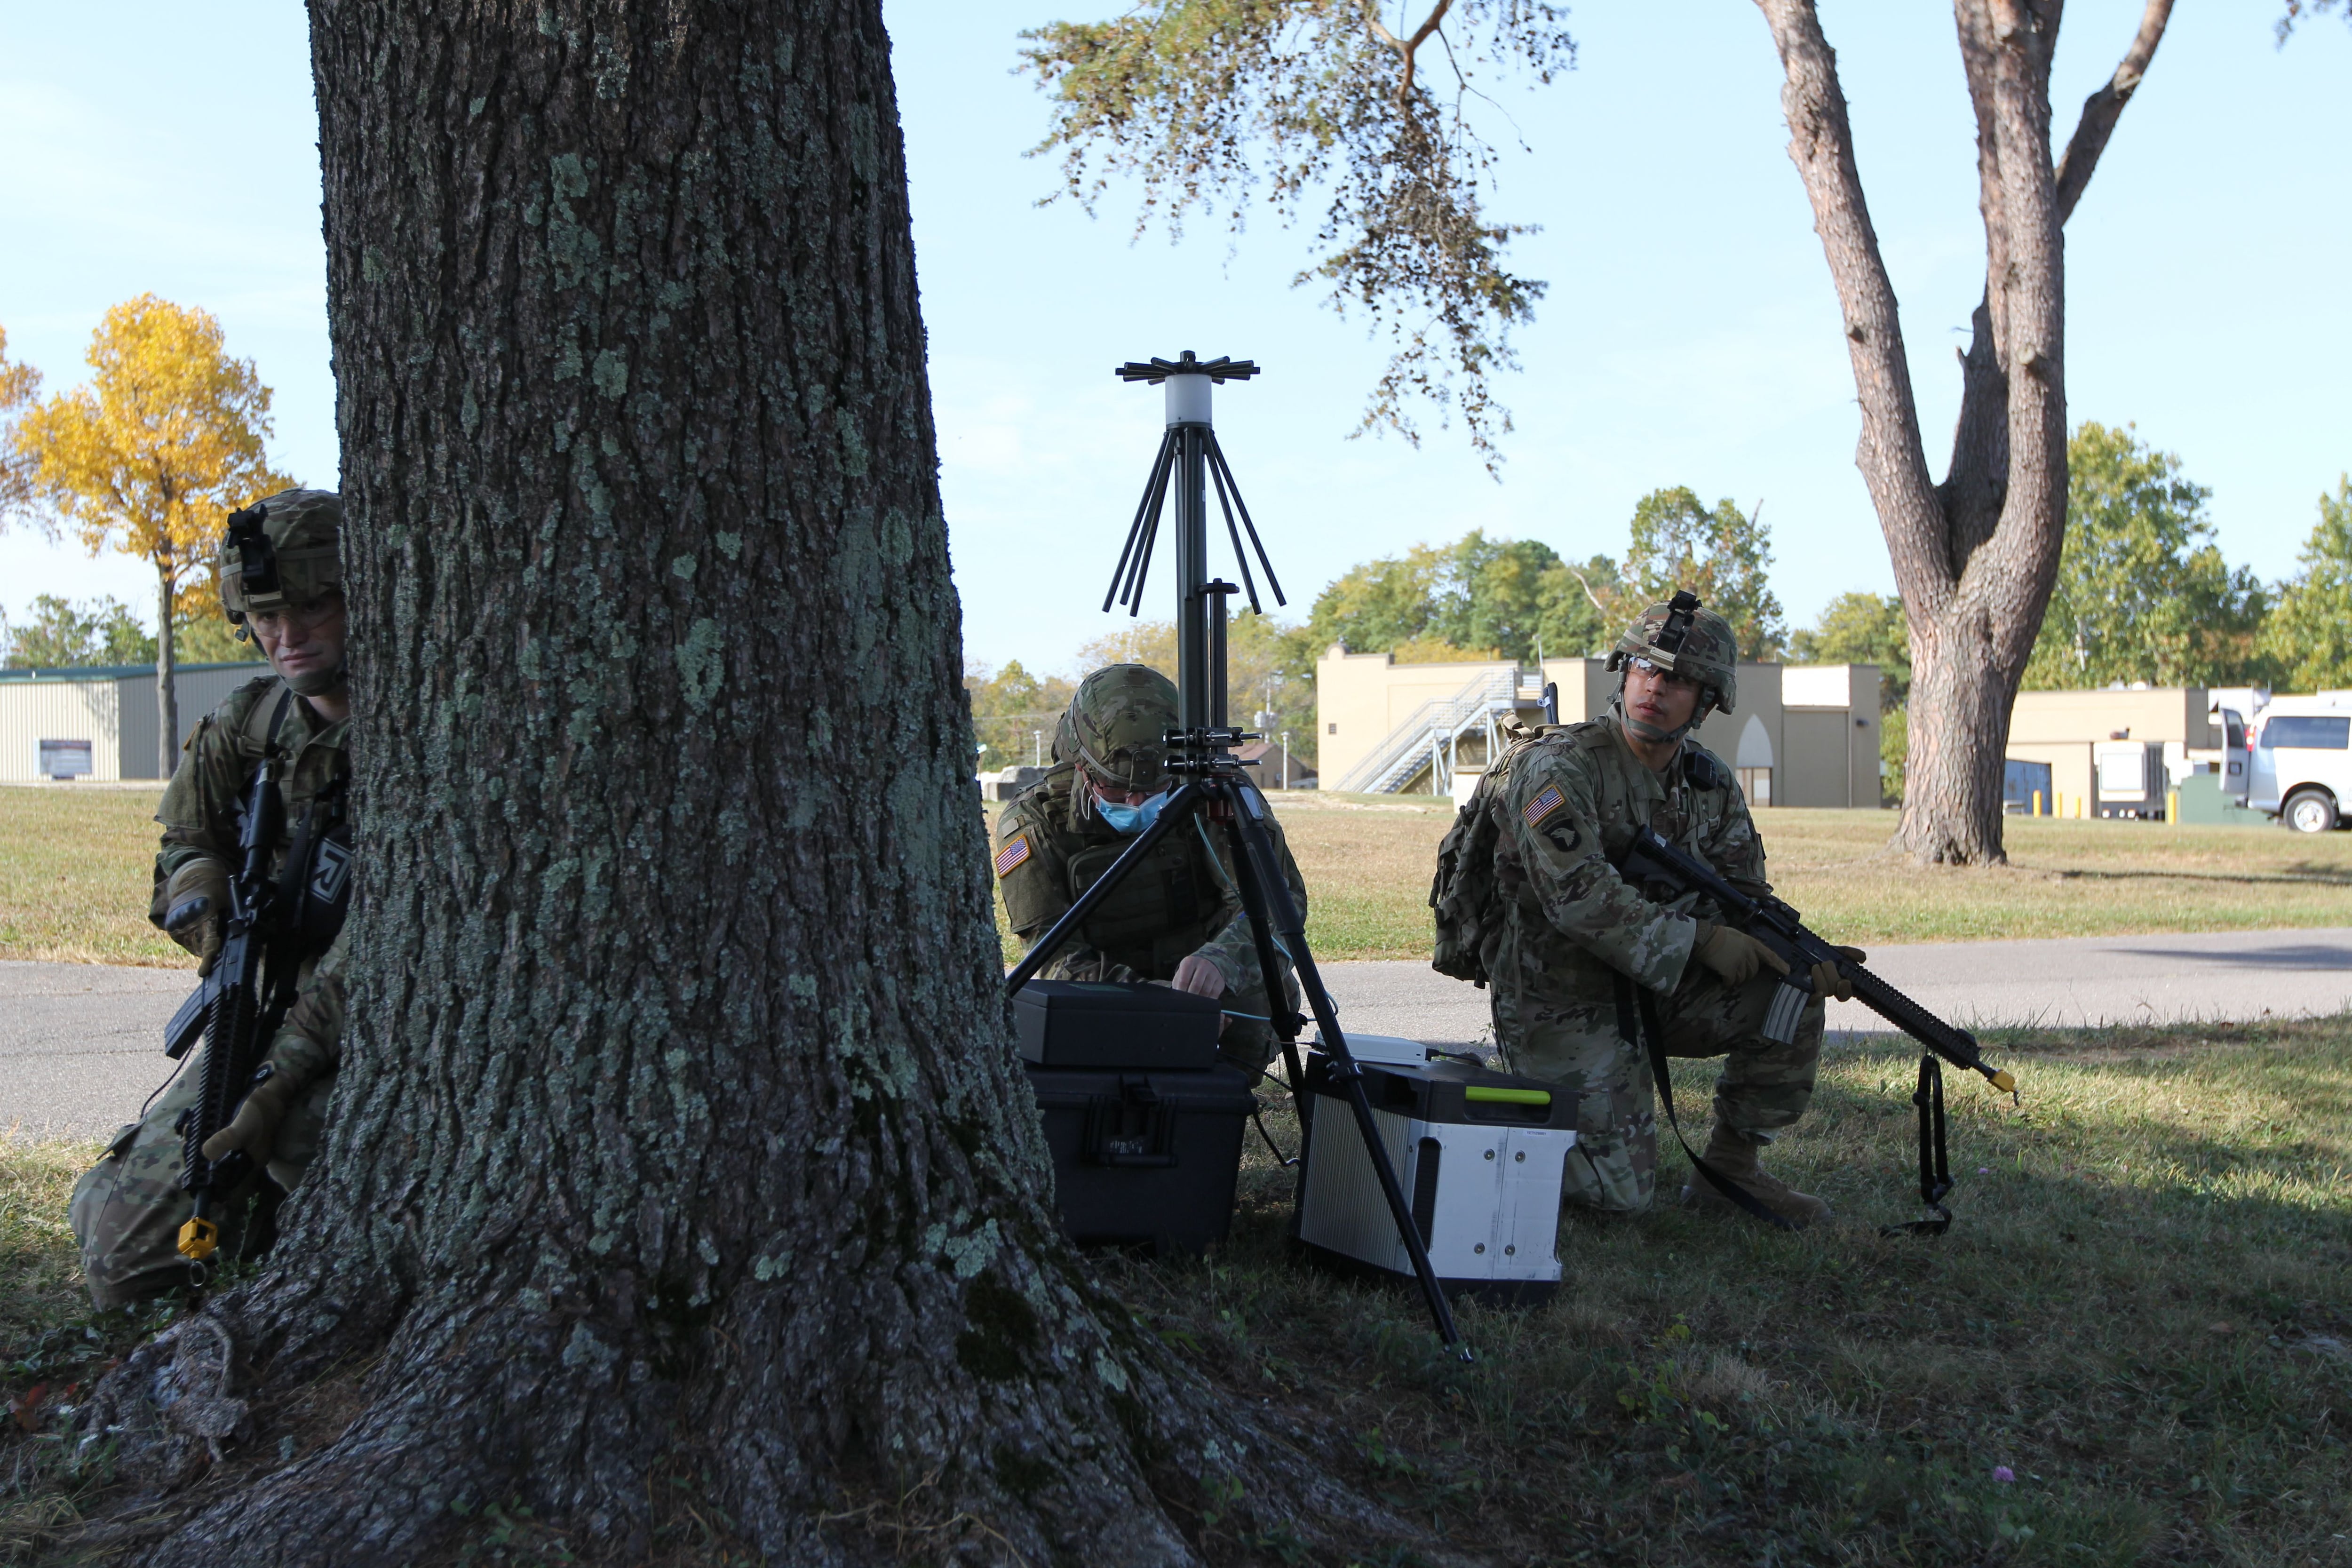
(1269, 964)
(1291, 926)
(1179, 806)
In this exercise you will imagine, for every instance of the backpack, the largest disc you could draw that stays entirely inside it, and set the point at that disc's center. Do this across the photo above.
(1469, 913)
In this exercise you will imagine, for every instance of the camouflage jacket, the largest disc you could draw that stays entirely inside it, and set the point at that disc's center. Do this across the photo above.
(199, 811)
(1573, 800)
(1181, 901)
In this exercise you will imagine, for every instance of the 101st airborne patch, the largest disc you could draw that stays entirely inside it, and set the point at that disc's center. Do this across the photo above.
(1547, 800)
(1012, 855)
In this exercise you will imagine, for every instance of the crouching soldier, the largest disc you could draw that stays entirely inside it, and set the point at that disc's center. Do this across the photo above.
(1582, 956)
(1177, 917)
(281, 582)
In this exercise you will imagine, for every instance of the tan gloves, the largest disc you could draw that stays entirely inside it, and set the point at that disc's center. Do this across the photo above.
(1828, 982)
(254, 1128)
(202, 877)
(1734, 954)
(1737, 957)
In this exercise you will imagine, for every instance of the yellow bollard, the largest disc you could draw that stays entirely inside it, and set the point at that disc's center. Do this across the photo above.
(2037, 803)
(2172, 807)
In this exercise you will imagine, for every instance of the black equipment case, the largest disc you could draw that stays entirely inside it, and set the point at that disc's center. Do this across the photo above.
(1144, 1121)
(1115, 1024)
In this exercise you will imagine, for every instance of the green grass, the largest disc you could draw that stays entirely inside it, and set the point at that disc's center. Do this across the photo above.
(1367, 859)
(2142, 1310)
(76, 868)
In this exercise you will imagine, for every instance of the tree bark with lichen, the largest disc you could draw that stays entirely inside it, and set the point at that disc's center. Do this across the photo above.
(679, 1155)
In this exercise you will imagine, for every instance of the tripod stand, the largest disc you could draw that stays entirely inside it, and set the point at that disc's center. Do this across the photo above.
(1215, 785)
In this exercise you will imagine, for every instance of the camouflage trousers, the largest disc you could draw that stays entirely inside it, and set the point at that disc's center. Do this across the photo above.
(1576, 1045)
(127, 1210)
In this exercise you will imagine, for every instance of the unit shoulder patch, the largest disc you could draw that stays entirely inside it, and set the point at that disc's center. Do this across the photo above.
(1546, 800)
(1015, 853)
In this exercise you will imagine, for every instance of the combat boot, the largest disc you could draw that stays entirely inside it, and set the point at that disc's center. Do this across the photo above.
(1733, 1157)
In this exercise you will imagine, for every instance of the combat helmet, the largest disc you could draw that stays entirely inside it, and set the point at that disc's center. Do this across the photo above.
(1116, 724)
(1679, 636)
(280, 551)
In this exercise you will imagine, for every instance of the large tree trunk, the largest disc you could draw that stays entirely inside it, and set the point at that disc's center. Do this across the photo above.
(1976, 556)
(679, 1151)
(167, 696)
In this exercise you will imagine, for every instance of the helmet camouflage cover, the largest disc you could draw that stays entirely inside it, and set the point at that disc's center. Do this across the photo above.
(1690, 641)
(285, 549)
(1118, 720)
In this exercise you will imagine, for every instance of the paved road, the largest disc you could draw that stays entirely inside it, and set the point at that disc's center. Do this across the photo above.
(80, 1044)
(2083, 980)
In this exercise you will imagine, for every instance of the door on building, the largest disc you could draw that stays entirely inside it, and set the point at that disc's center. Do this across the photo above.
(1813, 764)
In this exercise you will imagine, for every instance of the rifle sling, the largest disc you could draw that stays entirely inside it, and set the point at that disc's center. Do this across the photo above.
(1935, 1167)
(1637, 1020)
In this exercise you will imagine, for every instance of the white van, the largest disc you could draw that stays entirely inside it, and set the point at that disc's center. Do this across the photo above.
(2302, 771)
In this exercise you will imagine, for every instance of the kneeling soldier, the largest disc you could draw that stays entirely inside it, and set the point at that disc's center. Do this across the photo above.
(1177, 917)
(126, 1211)
(1576, 941)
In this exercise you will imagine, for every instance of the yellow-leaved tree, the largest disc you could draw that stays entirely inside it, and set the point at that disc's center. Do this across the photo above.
(19, 385)
(148, 459)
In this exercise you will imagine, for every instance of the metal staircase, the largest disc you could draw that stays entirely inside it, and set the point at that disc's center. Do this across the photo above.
(1430, 737)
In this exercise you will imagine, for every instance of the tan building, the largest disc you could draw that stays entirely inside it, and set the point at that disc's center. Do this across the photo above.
(1802, 734)
(2060, 731)
(99, 723)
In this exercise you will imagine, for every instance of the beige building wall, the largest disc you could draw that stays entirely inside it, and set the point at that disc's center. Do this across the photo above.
(32, 711)
(1830, 759)
(2060, 728)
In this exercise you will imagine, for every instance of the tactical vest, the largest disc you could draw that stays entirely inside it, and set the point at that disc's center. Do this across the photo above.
(1162, 911)
(314, 880)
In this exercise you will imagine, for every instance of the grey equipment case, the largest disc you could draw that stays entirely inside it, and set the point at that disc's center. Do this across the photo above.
(1480, 1154)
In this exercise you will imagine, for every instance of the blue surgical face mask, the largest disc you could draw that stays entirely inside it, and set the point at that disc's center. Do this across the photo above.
(1129, 819)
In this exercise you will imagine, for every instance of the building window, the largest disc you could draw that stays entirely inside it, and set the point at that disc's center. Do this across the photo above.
(1756, 783)
(1335, 729)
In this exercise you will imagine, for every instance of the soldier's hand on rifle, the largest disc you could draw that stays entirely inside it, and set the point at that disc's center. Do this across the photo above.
(196, 905)
(1830, 980)
(254, 1128)
(1734, 954)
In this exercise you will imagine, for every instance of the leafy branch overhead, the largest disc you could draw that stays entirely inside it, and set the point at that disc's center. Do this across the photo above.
(1211, 103)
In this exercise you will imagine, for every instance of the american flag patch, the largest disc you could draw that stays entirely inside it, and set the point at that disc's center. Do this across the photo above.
(1547, 800)
(1012, 855)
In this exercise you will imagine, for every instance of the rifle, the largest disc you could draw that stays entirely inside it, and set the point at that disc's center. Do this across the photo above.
(229, 1011)
(1652, 859)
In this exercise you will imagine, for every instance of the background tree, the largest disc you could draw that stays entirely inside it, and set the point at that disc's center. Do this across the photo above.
(1866, 629)
(681, 1157)
(148, 459)
(1014, 713)
(1209, 103)
(1724, 555)
(1184, 92)
(2142, 592)
(63, 634)
(1475, 598)
(20, 384)
(2307, 641)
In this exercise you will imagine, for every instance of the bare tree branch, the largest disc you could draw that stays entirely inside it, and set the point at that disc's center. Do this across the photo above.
(2105, 107)
(1408, 48)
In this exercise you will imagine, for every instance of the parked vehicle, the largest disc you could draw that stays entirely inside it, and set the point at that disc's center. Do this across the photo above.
(2302, 771)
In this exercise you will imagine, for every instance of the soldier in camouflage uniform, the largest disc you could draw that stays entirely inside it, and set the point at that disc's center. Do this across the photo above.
(127, 1210)
(1574, 934)
(1176, 918)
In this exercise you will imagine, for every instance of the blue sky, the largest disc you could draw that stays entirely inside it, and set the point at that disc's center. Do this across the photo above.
(1690, 335)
